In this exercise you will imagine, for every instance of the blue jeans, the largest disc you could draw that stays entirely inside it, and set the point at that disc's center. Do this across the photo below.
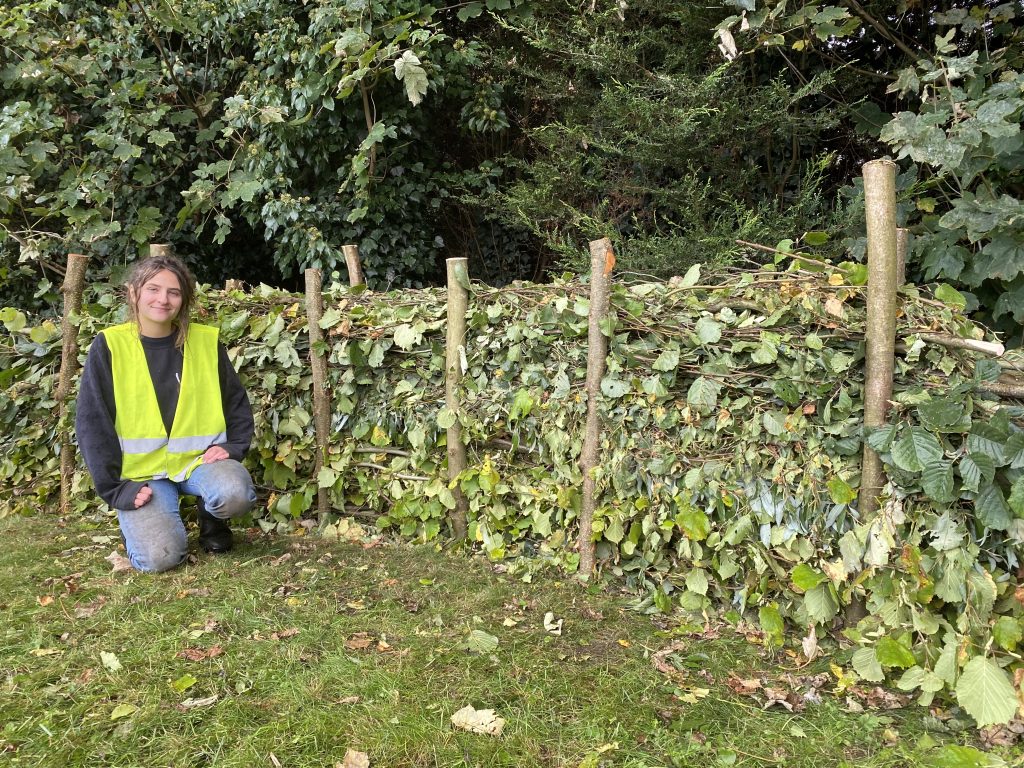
(154, 534)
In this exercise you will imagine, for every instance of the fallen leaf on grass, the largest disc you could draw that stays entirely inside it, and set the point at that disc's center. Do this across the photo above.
(274, 761)
(123, 710)
(200, 654)
(46, 651)
(354, 759)
(693, 695)
(1005, 735)
(183, 683)
(483, 721)
(118, 562)
(360, 641)
(744, 686)
(197, 703)
(349, 700)
(284, 634)
(194, 592)
(552, 625)
(45, 600)
(110, 661)
(479, 642)
(810, 645)
(89, 609)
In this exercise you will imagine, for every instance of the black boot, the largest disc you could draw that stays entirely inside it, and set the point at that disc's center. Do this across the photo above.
(214, 534)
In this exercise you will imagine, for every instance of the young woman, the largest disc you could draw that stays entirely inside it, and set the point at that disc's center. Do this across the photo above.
(161, 412)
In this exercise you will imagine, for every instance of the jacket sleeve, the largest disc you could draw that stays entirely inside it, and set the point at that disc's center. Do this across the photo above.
(94, 427)
(237, 411)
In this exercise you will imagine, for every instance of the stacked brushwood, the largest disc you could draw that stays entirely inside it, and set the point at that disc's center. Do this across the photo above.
(730, 450)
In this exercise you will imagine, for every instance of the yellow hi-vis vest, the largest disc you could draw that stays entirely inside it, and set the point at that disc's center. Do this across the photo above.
(147, 451)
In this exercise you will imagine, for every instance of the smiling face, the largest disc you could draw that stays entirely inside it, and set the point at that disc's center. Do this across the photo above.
(157, 303)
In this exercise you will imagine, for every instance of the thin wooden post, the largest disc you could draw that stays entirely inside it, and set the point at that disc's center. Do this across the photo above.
(161, 249)
(902, 246)
(74, 281)
(880, 210)
(355, 268)
(458, 302)
(321, 399)
(602, 260)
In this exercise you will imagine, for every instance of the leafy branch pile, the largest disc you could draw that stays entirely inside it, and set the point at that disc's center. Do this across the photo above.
(730, 451)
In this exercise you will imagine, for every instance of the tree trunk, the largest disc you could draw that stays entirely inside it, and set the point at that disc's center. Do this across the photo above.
(355, 268)
(74, 281)
(321, 398)
(458, 302)
(602, 260)
(880, 210)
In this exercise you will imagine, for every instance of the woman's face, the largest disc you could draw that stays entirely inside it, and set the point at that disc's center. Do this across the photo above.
(158, 304)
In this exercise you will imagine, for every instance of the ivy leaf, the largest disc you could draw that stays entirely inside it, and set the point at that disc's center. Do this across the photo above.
(985, 692)
(409, 71)
(160, 138)
(916, 448)
(892, 653)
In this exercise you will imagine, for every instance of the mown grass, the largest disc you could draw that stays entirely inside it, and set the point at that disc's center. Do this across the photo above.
(330, 646)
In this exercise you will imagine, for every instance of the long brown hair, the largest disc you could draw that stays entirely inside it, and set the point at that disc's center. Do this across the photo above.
(143, 271)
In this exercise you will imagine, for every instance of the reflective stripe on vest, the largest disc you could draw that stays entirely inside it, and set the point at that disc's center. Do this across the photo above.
(148, 452)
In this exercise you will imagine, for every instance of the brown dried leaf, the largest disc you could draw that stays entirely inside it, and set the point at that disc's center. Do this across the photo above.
(360, 641)
(354, 759)
(45, 600)
(118, 562)
(284, 634)
(201, 654)
(89, 609)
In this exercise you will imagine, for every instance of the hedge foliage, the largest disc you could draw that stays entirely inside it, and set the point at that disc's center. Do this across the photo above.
(729, 461)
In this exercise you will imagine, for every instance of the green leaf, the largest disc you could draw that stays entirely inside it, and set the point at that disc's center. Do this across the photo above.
(840, 491)
(1015, 450)
(668, 360)
(160, 138)
(694, 523)
(183, 683)
(805, 577)
(988, 441)
(697, 581)
(691, 277)
(110, 661)
(986, 693)
(880, 438)
(470, 11)
(771, 623)
(708, 331)
(446, 418)
(865, 663)
(940, 413)
(950, 296)
(409, 71)
(815, 238)
(1007, 632)
(1016, 500)
(614, 387)
(821, 603)
(937, 480)
(122, 711)
(703, 394)
(976, 469)
(522, 405)
(957, 756)
(774, 422)
(407, 337)
(916, 448)
(991, 509)
(480, 642)
(892, 653)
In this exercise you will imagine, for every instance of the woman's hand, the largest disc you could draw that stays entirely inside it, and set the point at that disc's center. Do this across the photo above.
(214, 453)
(143, 496)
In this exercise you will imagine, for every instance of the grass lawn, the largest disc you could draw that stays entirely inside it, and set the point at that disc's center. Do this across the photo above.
(292, 651)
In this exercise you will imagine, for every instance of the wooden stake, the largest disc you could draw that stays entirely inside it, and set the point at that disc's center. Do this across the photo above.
(880, 210)
(355, 269)
(74, 281)
(458, 302)
(321, 398)
(602, 260)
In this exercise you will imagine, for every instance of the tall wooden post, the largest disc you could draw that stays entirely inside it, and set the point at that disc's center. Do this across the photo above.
(902, 247)
(602, 260)
(880, 210)
(74, 281)
(321, 399)
(355, 268)
(458, 301)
